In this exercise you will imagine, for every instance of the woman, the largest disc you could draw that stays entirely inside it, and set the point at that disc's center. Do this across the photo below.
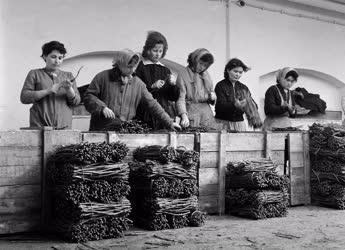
(196, 91)
(279, 102)
(233, 96)
(114, 95)
(52, 91)
(159, 80)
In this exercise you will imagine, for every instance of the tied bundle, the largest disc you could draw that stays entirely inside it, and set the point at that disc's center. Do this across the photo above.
(64, 173)
(265, 211)
(93, 229)
(251, 109)
(328, 194)
(249, 166)
(88, 153)
(327, 165)
(197, 130)
(87, 191)
(152, 169)
(187, 158)
(128, 127)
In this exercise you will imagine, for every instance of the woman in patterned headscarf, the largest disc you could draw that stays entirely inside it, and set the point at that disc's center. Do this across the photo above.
(279, 102)
(196, 91)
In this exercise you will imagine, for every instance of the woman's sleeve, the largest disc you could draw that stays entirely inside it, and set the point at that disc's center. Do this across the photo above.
(222, 103)
(76, 99)
(181, 101)
(91, 100)
(27, 94)
(271, 106)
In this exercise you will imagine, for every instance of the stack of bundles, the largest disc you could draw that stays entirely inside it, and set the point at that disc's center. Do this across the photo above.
(164, 188)
(327, 155)
(255, 190)
(89, 188)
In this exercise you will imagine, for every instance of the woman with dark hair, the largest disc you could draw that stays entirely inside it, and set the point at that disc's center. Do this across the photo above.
(279, 101)
(233, 97)
(157, 77)
(52, 91)
(196, 91)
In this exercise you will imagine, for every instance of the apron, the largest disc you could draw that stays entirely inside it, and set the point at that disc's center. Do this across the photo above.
(281, 121)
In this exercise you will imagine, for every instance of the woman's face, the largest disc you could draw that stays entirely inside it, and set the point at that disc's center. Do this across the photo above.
(53, 60)
(288, 82)
(235, 74)
(155, 54)
(201, 66)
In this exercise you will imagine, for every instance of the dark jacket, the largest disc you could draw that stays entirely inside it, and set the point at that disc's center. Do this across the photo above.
(107, 90)
(310, 101)
(273, 101)
(225, 105)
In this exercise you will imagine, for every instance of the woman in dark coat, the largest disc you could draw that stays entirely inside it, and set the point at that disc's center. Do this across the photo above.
(279, 101)
(230, 92)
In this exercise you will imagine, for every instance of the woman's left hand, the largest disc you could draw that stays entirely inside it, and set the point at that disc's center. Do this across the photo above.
(66, 84)
(172, 79)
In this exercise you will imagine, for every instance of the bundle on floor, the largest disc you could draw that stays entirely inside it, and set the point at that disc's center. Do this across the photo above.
(187, 158)
(88, 187)
(328, 165)
(164, 187)
(255, 190)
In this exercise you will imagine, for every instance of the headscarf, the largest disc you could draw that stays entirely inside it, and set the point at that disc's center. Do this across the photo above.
(193, 59)
(283, 72)
(121, 60)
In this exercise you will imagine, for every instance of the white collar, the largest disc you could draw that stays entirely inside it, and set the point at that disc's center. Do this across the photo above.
(148, 62)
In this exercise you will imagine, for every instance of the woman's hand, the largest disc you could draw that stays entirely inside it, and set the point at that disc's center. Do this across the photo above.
(158, 84)
(212, 96)
(240, 104)
(172, 79)
(108, 113)
(185, 121)
(55, 88)
(175, 126)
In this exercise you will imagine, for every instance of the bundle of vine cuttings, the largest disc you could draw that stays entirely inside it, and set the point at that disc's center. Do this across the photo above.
(65, 209)
(197, 130)
(152, 169)
(254, 198)
(96, 191)
(286, 129)
(327, 165)
(165, 187)
(88, 153)
(265, 211)
(98, 228)
(65, 173)
(251, 109)
(324, 176)
(249, 166)
(328, 136)
(188, 158)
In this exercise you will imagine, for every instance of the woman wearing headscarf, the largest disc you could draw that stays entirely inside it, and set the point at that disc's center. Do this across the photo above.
(279, 101)
(196, 91)
(115, 94)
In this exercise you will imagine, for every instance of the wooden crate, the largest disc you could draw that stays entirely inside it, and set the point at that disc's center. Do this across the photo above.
(217, 149)
(20, 180)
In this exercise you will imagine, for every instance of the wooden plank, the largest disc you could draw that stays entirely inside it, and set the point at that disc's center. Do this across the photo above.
(141, 140)
(245, 141)
(208, 159)
(267, 144)
(221, 173)
(20, 155)
(20, 191)
(209, 142)
(94, 137)
(209, 204)
(243, 155)
(278, 159)
(172, 139)
(278, 140)
(16, 206)
(297, 172)
(306, 160)
(206, 190)
(19, 223)
(186, 140)
(64, 137)
(21, 138)
(208, 176)
(20, 175)
(297, 159)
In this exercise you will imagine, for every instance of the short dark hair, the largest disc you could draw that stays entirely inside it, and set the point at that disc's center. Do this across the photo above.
(234, 63)
(293, 74)
(47, 48)
(153, 38)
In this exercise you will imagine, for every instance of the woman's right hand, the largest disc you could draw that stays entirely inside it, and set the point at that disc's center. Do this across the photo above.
(108, 113)
(55, 88)
(158, 84)
(185, 121)
(240, 104)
